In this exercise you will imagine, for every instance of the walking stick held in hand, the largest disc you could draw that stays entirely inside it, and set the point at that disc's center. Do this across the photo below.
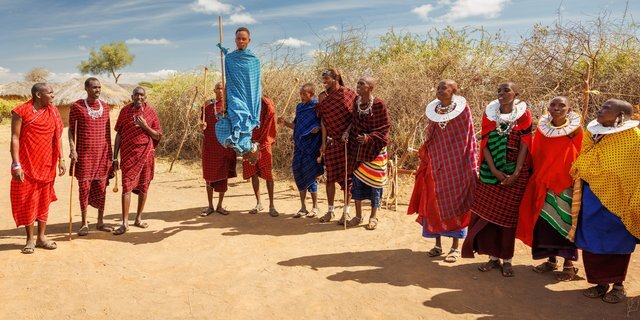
(224, 86)
(204, 93)
(295, 86)
(73, 174)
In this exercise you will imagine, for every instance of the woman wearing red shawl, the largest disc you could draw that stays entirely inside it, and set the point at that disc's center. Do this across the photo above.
(138, 134)
(36, 150)
(504, 172)
(446, 177)
(545, 212)
(367, 138)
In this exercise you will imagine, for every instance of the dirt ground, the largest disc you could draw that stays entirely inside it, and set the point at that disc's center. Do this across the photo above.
(246, 266)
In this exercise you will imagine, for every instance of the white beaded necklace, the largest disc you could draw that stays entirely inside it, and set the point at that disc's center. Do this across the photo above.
(94, 114)
(368, 110)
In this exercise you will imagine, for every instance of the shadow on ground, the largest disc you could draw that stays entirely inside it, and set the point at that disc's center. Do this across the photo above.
(469, 291)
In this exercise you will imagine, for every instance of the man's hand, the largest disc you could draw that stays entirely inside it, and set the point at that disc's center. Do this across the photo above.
(500, 175)
(18, 174)
(510, 179)
(62, 169)
(115, 165)
(315, 130)
(203, 126)
(141, 122)
(362, 138)
(73, 155)
(345, 136)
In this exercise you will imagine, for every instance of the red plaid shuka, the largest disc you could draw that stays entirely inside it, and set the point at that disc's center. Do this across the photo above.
(137, 160)
(265, 134)
(218, 162)
(497, 203)
(336, 112)
(93, 193)
(375, 126)
(39, 153)
(446, 176)
(93, 145)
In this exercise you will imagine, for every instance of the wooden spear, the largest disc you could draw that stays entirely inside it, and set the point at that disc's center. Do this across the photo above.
(73, 174)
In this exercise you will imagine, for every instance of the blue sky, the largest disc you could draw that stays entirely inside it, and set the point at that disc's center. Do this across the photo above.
(170, 35)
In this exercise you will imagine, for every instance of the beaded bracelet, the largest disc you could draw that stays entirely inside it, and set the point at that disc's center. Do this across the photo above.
(16, 166)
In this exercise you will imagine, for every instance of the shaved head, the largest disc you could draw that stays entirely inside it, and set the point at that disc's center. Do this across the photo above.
(371, 81)
(451, 83)
(138, 89)
(622, 106)
(514, 87)
(38, 87)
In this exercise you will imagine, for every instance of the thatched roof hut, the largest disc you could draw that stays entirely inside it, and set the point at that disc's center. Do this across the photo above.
(70, 91)
(16, 90)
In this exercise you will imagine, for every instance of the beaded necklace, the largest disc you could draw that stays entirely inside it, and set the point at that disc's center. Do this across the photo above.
(94, 114)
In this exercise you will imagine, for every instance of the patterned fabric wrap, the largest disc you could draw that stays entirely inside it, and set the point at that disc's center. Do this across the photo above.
(306, 146)
(375, 127)
(262, 168)
(557, 210)
(611, 167)
(497, 146)
(374, 173)
(552, 160)
(218, 162)
(93, 193)
(498, 203)
(137, 160)
(93, 143)
(453, 155)
(39, 152)
(243, 92)
(362, 191)
(265, 134)
(335, 110)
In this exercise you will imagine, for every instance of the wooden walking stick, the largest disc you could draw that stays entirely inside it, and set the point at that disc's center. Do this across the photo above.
(204, 93)
(346, 169)
(186, 129)
(224, 87)
(73, 174)
(585, 94)
(295, 86)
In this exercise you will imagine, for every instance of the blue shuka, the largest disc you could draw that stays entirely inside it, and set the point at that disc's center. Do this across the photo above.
(307, 146)
(243, 92)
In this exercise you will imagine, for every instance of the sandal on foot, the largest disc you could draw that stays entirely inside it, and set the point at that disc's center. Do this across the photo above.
(489, 265)
(567, 274)
(354, 222)
(121, 230)
(47, 244)
(222, 211)
(141, 224)
(616, 295)
(312, 213)
(596, 291)
(345, 217)
(435, 252)
(507, 270)
(29, 248)
(327, 217)
(84, 230)
(273, 212)
(104, 227)
(301, 213)
(373, 224)
(545, 267)
(256, 209)
(207, 212)
(452, 256)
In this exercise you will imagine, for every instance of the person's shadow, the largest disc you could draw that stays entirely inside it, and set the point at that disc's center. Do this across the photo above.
(468, 291)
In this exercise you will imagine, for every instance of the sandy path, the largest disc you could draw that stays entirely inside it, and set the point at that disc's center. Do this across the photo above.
(245, 266)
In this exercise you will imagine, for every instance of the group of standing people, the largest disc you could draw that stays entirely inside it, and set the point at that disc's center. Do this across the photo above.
(37, 155)
(557, 188)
